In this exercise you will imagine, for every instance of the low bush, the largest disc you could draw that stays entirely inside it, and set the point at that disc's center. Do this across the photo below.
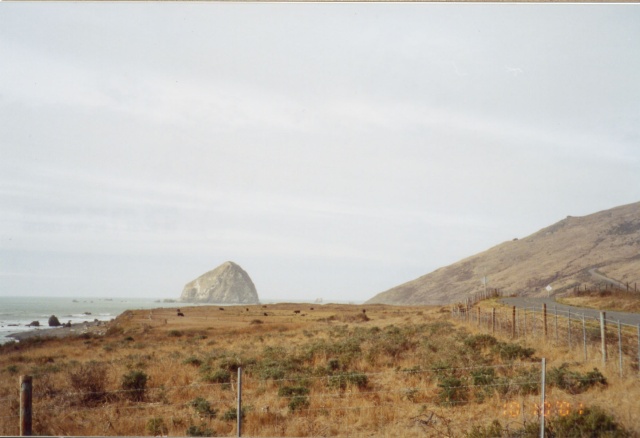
(298, 402)
(232, 414)
(492, 431)
(588, 423)
(157, 427)
(341, 381)
(218, 376)
(192, 360)
(452, 391)
(573, 381)
(90, 381)
(483, 380)
(483, 376)
(478, 342)
(199, 431)
(134, 384)
(290, 391)
(203, 408)
(509, 351)
(591, 422)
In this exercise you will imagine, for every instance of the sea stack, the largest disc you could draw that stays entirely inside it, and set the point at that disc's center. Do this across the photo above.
(226, 284)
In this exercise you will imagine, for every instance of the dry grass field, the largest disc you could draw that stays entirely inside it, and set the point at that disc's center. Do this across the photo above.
(310, 370)
(610, 299)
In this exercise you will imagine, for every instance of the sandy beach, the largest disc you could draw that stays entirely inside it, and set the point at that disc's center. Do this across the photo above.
(93, 327)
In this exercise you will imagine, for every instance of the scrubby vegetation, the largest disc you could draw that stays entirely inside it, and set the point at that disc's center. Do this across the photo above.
(605, 298)
(336, 371)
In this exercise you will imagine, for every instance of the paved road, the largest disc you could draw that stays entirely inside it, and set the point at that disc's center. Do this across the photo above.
(536, 303)
(606, 279)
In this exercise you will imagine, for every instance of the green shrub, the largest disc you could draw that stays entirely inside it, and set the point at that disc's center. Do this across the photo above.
(341, 381)
(591, 422)
(203, 407)
(232, 414)
(192, 360)
(298, 402)
(277, 363)
(199, 431)
(451, 391)
(483, 376)
(442, 368)
(478, 342)
(134, 384)
(290, 391)
(527, 382)
(513, 351)
(156, 427)
(232, 364)
(573, 381)
(218, 376)
(333, 365)
(175, 333)
(395, 341)
(492, 431)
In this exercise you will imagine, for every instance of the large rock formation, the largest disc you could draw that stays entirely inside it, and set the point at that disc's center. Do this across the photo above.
(226, 284)
(589, 250)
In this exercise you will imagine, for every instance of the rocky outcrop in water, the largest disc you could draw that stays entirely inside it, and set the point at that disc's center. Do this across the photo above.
(226, 284)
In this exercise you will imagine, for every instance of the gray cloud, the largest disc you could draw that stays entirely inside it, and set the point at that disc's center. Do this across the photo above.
(331, 150)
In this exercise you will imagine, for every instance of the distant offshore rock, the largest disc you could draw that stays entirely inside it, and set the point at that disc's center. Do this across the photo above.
(226, 284)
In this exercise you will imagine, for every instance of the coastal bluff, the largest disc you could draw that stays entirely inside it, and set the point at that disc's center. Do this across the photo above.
(226, 284)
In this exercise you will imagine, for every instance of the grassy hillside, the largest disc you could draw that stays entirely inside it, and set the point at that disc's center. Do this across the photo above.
(332, 370)
(575, 251)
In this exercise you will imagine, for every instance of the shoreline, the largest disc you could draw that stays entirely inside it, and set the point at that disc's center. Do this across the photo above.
(77, 329)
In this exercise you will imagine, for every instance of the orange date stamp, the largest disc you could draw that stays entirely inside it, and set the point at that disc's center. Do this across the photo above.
(560, 408)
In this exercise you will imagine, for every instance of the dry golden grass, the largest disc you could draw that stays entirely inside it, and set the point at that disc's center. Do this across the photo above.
(615, 299)
(367, 374)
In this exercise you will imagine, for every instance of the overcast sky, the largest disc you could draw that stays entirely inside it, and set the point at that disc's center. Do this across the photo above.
(331, 150)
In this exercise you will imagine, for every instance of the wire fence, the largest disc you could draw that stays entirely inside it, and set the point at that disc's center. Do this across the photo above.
(424, 400)
(419, 397)
(599, 339)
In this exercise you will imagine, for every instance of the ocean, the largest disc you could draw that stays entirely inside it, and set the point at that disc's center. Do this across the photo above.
(17, 312)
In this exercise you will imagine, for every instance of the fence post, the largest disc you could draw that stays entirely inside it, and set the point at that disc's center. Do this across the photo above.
(544, 318)
(638, 348)
(478, 316)
(555, 311)
(26, 398)
(603, 336)
(542, 391)
(584, 337)
(493, 320)
(569, 329)
(620, 347)
(533, 322)
(466, 314)
(513, 322)
(239, 409)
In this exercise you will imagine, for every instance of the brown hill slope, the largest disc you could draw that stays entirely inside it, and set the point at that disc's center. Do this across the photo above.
(574, 251)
